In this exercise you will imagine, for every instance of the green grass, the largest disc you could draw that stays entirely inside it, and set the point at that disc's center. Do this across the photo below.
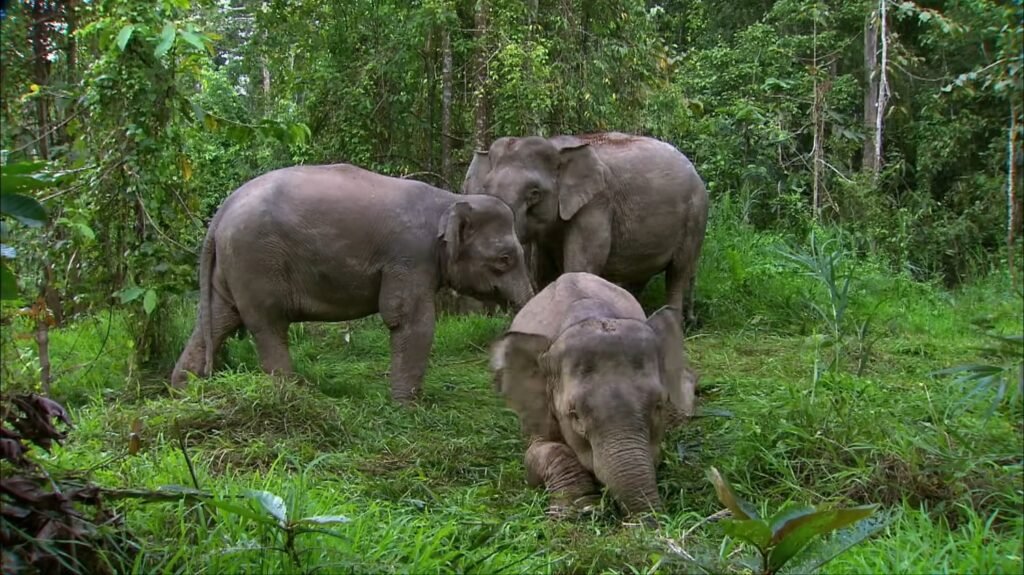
(440, 487)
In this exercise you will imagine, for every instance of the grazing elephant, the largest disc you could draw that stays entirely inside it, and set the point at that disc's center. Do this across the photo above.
(594, 384)
(620, 206)
(335, 243)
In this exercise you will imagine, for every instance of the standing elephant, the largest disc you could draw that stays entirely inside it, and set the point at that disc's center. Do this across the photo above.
(620, 206)
(335, 243)
(594, 384)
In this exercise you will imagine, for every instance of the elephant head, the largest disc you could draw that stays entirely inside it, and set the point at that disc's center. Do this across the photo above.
(544, 181)
(607, 388)
(480, 254)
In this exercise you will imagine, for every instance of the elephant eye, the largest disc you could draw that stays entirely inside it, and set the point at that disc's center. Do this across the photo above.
(533, 196)
(503, 262)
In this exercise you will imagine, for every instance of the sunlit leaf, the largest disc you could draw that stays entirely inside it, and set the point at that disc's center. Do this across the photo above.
(8, 252)
(124, 36)
(166, 40)
(740, 508)
(149, 301)
(194, 39)
(271, 503)
(325, 519)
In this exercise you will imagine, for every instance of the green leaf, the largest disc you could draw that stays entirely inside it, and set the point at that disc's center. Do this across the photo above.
(242, 511)
(149, 302)
(325, 519)
(796, 533)
(816, 557)
(194, 39)
(740, 508)
(23, 168)
(8, 285)
(784, 516)
(271, 503)
(124, 36)
(753, 531)
(166, 40)
(23, 208)
(130, 294)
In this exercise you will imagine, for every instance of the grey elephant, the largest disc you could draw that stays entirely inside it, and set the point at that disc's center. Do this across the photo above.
(594, 384)
(337, 242)
(620, 206)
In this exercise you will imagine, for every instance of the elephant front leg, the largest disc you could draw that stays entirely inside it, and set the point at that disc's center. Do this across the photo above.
(555, 466)
(587, 242)
(412, 333)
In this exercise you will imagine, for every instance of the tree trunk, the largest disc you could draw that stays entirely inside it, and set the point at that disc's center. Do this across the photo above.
(481, 120)
(1013, 205)
(446, 108)
(41, 75)
(870, 91)
(883, 87)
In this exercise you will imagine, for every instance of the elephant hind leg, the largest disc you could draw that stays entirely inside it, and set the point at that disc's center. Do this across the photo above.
(271, 336)
(555, 466)
(225, 321)
(680, 278)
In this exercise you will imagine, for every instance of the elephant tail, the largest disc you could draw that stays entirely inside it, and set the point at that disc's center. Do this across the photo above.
(207, 259)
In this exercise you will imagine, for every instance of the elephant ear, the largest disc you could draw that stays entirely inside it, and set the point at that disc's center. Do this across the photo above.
(454, 228)
(478, 170)
(679, 379)
(580, 178)
(520, 376)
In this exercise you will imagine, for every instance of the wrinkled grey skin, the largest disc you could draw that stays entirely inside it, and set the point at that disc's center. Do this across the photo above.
(620, 206)
(595, 384)
(335, 243)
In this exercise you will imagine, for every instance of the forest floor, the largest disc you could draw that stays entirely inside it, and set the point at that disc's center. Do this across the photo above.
(440, 487)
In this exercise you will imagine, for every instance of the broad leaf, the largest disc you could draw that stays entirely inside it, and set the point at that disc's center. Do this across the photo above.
(130, 294)
(242, 511)
(753, 531)
(194, 39)
(8, 285)
(816, 557)
(785, 516)
(796, 533)
(166, 40)
(22, 168)
(149, 302)
(271, 503)
(23, 208)
(124, 36)
(740, 508)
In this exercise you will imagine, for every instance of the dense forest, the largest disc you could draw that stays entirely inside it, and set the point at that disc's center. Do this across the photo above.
(858, 299)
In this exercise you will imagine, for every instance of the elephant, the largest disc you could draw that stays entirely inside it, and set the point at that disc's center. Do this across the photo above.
(620, 206)
(594, 384)
(337, 242)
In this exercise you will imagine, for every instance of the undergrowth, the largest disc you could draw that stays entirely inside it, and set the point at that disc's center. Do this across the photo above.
(441, 487)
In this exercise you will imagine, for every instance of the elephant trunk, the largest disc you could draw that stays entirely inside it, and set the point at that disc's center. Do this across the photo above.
(626, 467)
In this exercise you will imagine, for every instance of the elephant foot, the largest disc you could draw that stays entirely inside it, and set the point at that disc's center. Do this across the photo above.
(563, 505)
(407, 398)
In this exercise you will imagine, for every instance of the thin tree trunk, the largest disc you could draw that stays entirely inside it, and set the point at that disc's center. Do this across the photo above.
(41, 75)
(481, 120)
(446, 108)
(1012, 205)
(43, 343)
(870, 90)
(883, 87)
(431, 69)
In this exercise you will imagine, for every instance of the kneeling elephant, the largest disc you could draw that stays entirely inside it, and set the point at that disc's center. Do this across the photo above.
(594, 384)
